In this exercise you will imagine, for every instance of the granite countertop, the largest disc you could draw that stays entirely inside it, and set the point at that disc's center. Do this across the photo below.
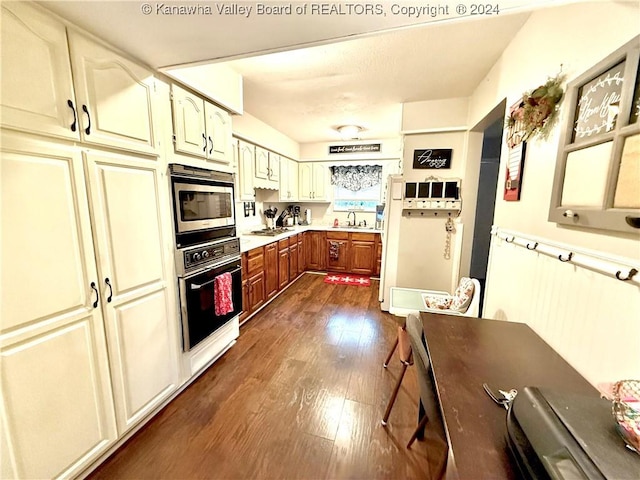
(249, 241)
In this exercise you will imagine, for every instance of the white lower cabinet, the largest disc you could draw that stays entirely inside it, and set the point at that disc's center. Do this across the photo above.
(68, 224)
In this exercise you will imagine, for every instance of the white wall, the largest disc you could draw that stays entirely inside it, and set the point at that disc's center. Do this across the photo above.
(576, 37)
(257, 132)
(435, 114)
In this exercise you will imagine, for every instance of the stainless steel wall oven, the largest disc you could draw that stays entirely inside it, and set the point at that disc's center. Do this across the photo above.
(203, 204)
(207, 251)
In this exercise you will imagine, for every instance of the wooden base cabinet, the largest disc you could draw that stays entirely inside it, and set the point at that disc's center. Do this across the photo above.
(362, 253)
(315, 250)
(272, 280)
(254, 292)
(283, 263)
(338, 251)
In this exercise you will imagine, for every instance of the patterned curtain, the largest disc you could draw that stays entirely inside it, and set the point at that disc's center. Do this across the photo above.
(356, 178)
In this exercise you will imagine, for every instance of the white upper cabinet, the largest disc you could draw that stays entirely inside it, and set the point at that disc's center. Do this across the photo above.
(37, 89)
(218, 127)
(200, 128)
(267, 168)
(314, 179)
(57, 413)
(115, 97)
(288, 180)
(246, 159)
(106, 101)
(188, 122)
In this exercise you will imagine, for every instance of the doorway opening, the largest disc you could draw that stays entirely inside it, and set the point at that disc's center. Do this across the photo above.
(492, 127)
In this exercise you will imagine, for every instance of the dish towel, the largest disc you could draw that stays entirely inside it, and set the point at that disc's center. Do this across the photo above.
(222, 294)
(334, 250)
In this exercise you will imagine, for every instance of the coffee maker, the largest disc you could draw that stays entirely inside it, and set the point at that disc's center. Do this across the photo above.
(295, 212)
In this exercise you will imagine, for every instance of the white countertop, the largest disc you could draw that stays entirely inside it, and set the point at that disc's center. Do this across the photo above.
(249, 241)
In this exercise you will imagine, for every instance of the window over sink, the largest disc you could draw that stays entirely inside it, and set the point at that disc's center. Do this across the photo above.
(356, 187)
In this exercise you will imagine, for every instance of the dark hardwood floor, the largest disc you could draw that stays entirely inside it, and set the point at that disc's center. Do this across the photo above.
(300, 396)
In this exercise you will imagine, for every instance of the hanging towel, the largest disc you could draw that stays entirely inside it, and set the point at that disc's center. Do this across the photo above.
(334, 250)
(222, 294)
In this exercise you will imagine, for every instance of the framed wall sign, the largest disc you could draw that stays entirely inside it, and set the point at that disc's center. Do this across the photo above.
(513, 177)
(432, 158)
(362, 148)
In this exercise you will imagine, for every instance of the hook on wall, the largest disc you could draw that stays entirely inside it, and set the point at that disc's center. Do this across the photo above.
(532, 247)
(569, 257)
(509, 239)
(630, 275)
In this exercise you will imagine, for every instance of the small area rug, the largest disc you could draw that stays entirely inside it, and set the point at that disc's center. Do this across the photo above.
(347, 279)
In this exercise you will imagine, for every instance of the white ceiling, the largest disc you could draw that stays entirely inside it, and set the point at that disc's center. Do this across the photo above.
(304, 93)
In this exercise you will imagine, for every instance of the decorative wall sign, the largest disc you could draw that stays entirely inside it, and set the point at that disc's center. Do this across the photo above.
(515, 166)
(599, 103)
(433, 158)
(363, 148)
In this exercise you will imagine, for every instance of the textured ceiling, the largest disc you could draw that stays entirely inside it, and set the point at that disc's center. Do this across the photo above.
(306, 93)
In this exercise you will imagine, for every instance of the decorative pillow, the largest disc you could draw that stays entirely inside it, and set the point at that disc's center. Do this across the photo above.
(463, 295)
(438, 302)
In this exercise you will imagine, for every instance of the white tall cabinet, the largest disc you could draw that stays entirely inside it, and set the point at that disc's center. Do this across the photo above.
(288, 180)
(89, 341)
(57, 407)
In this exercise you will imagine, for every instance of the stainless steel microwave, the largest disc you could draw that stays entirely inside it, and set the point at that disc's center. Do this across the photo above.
(202, 199)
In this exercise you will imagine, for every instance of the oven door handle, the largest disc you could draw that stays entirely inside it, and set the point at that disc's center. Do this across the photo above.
(195, 286)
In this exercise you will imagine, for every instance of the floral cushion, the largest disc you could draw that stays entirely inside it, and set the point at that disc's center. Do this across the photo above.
(463, 295)
(459, 301)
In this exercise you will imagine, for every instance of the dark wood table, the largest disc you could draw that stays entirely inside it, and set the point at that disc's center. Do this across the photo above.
(467, 352)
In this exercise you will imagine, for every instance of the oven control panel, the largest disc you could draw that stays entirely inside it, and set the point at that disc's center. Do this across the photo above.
(207, 253)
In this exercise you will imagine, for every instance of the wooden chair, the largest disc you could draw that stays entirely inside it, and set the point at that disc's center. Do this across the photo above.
(471, 309)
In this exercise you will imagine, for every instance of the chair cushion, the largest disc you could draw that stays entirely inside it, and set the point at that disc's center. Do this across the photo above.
(463, 295)
(438, 302)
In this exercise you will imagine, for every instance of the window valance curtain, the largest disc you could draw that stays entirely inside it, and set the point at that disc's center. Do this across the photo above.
(356, 177)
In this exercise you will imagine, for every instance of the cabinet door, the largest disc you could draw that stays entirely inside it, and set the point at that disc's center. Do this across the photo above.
(320, 182)
(316, 251)
(56, 406)
(245, 301)
(142, 337)
(188, 122)
(301, 256)
(378, 255)
(271, 269)
(218, 129)
(305, 186)
(363, 257)
(115, 97)
(284, 192)
(293, 180)
(283, 268)
(274, 167)
(36, 86)
(256, 291)
(293, 261)
(262, 164)
(337, 255)
(246, 158)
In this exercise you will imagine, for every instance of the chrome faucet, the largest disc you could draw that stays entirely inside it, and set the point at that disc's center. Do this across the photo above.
(354, 218)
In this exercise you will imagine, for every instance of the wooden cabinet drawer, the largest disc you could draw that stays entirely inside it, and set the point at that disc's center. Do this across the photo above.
(337, 235)
(293, 239)
(364, 236)
(255, 261)
(283, 244)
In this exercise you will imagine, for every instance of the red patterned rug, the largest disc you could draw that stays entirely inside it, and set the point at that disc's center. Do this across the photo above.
(347, 279)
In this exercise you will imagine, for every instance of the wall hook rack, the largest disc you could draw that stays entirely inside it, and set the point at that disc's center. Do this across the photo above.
(630, 275)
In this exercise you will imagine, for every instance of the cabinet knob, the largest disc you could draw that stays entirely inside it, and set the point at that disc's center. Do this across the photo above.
(75, 118)
(204, 148)
(88, 129)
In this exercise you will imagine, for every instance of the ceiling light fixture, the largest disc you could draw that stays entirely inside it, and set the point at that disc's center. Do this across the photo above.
(349, 132)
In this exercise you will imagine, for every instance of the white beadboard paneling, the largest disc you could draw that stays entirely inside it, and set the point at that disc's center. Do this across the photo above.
(590, 318)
